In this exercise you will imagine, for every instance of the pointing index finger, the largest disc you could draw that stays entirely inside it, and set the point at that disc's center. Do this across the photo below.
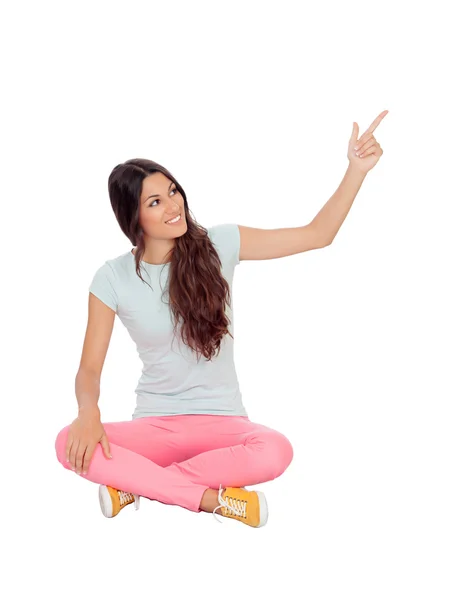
(371, 128)
(376, 122)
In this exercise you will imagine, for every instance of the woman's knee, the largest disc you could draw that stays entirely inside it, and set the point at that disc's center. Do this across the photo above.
(284, 451)
(277, 450)
(60, 445)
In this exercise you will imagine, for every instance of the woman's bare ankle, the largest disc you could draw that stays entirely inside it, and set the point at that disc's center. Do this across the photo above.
(210, 500)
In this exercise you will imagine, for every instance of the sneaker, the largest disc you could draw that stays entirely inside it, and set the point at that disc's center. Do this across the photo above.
(113, 500)
(249, 507)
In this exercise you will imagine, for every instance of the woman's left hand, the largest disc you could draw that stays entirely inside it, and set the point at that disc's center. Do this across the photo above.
(364, 153)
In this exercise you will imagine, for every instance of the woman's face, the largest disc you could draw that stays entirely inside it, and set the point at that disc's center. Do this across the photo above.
(160, 201)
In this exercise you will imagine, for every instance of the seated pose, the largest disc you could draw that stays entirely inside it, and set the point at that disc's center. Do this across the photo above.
(190, 442)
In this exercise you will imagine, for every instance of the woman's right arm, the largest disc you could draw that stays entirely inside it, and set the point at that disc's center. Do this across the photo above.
(86, 431)
(97, 339)
(87, 388)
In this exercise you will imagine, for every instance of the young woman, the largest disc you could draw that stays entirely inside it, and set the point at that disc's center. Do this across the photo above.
(190, 441)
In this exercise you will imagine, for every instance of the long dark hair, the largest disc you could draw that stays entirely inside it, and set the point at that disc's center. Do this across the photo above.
(198, 292)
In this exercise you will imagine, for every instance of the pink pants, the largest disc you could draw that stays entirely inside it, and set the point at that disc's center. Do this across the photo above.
(174, 459)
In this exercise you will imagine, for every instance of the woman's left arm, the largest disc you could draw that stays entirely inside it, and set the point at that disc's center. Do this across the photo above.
(363, 154)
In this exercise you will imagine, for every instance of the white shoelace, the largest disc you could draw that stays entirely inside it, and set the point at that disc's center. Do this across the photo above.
(238, 507)
(125, 496)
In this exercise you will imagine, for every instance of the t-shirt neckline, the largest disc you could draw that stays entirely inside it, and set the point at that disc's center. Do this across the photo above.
(147, 264)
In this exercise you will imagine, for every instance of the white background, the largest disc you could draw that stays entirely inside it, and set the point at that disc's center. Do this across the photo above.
(354, 351)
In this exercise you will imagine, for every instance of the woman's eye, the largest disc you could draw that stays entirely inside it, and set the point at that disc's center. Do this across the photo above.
(173, 190)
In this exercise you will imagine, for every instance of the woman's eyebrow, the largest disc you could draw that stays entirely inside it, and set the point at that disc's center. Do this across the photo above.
(153, 195)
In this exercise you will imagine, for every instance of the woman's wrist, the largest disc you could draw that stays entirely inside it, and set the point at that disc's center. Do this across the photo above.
(89, 411)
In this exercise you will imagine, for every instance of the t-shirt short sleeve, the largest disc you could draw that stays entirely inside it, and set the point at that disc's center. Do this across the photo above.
(103, 286)
(226, 238)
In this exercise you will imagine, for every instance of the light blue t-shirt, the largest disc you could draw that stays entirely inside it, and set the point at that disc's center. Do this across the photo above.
(173, 381)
